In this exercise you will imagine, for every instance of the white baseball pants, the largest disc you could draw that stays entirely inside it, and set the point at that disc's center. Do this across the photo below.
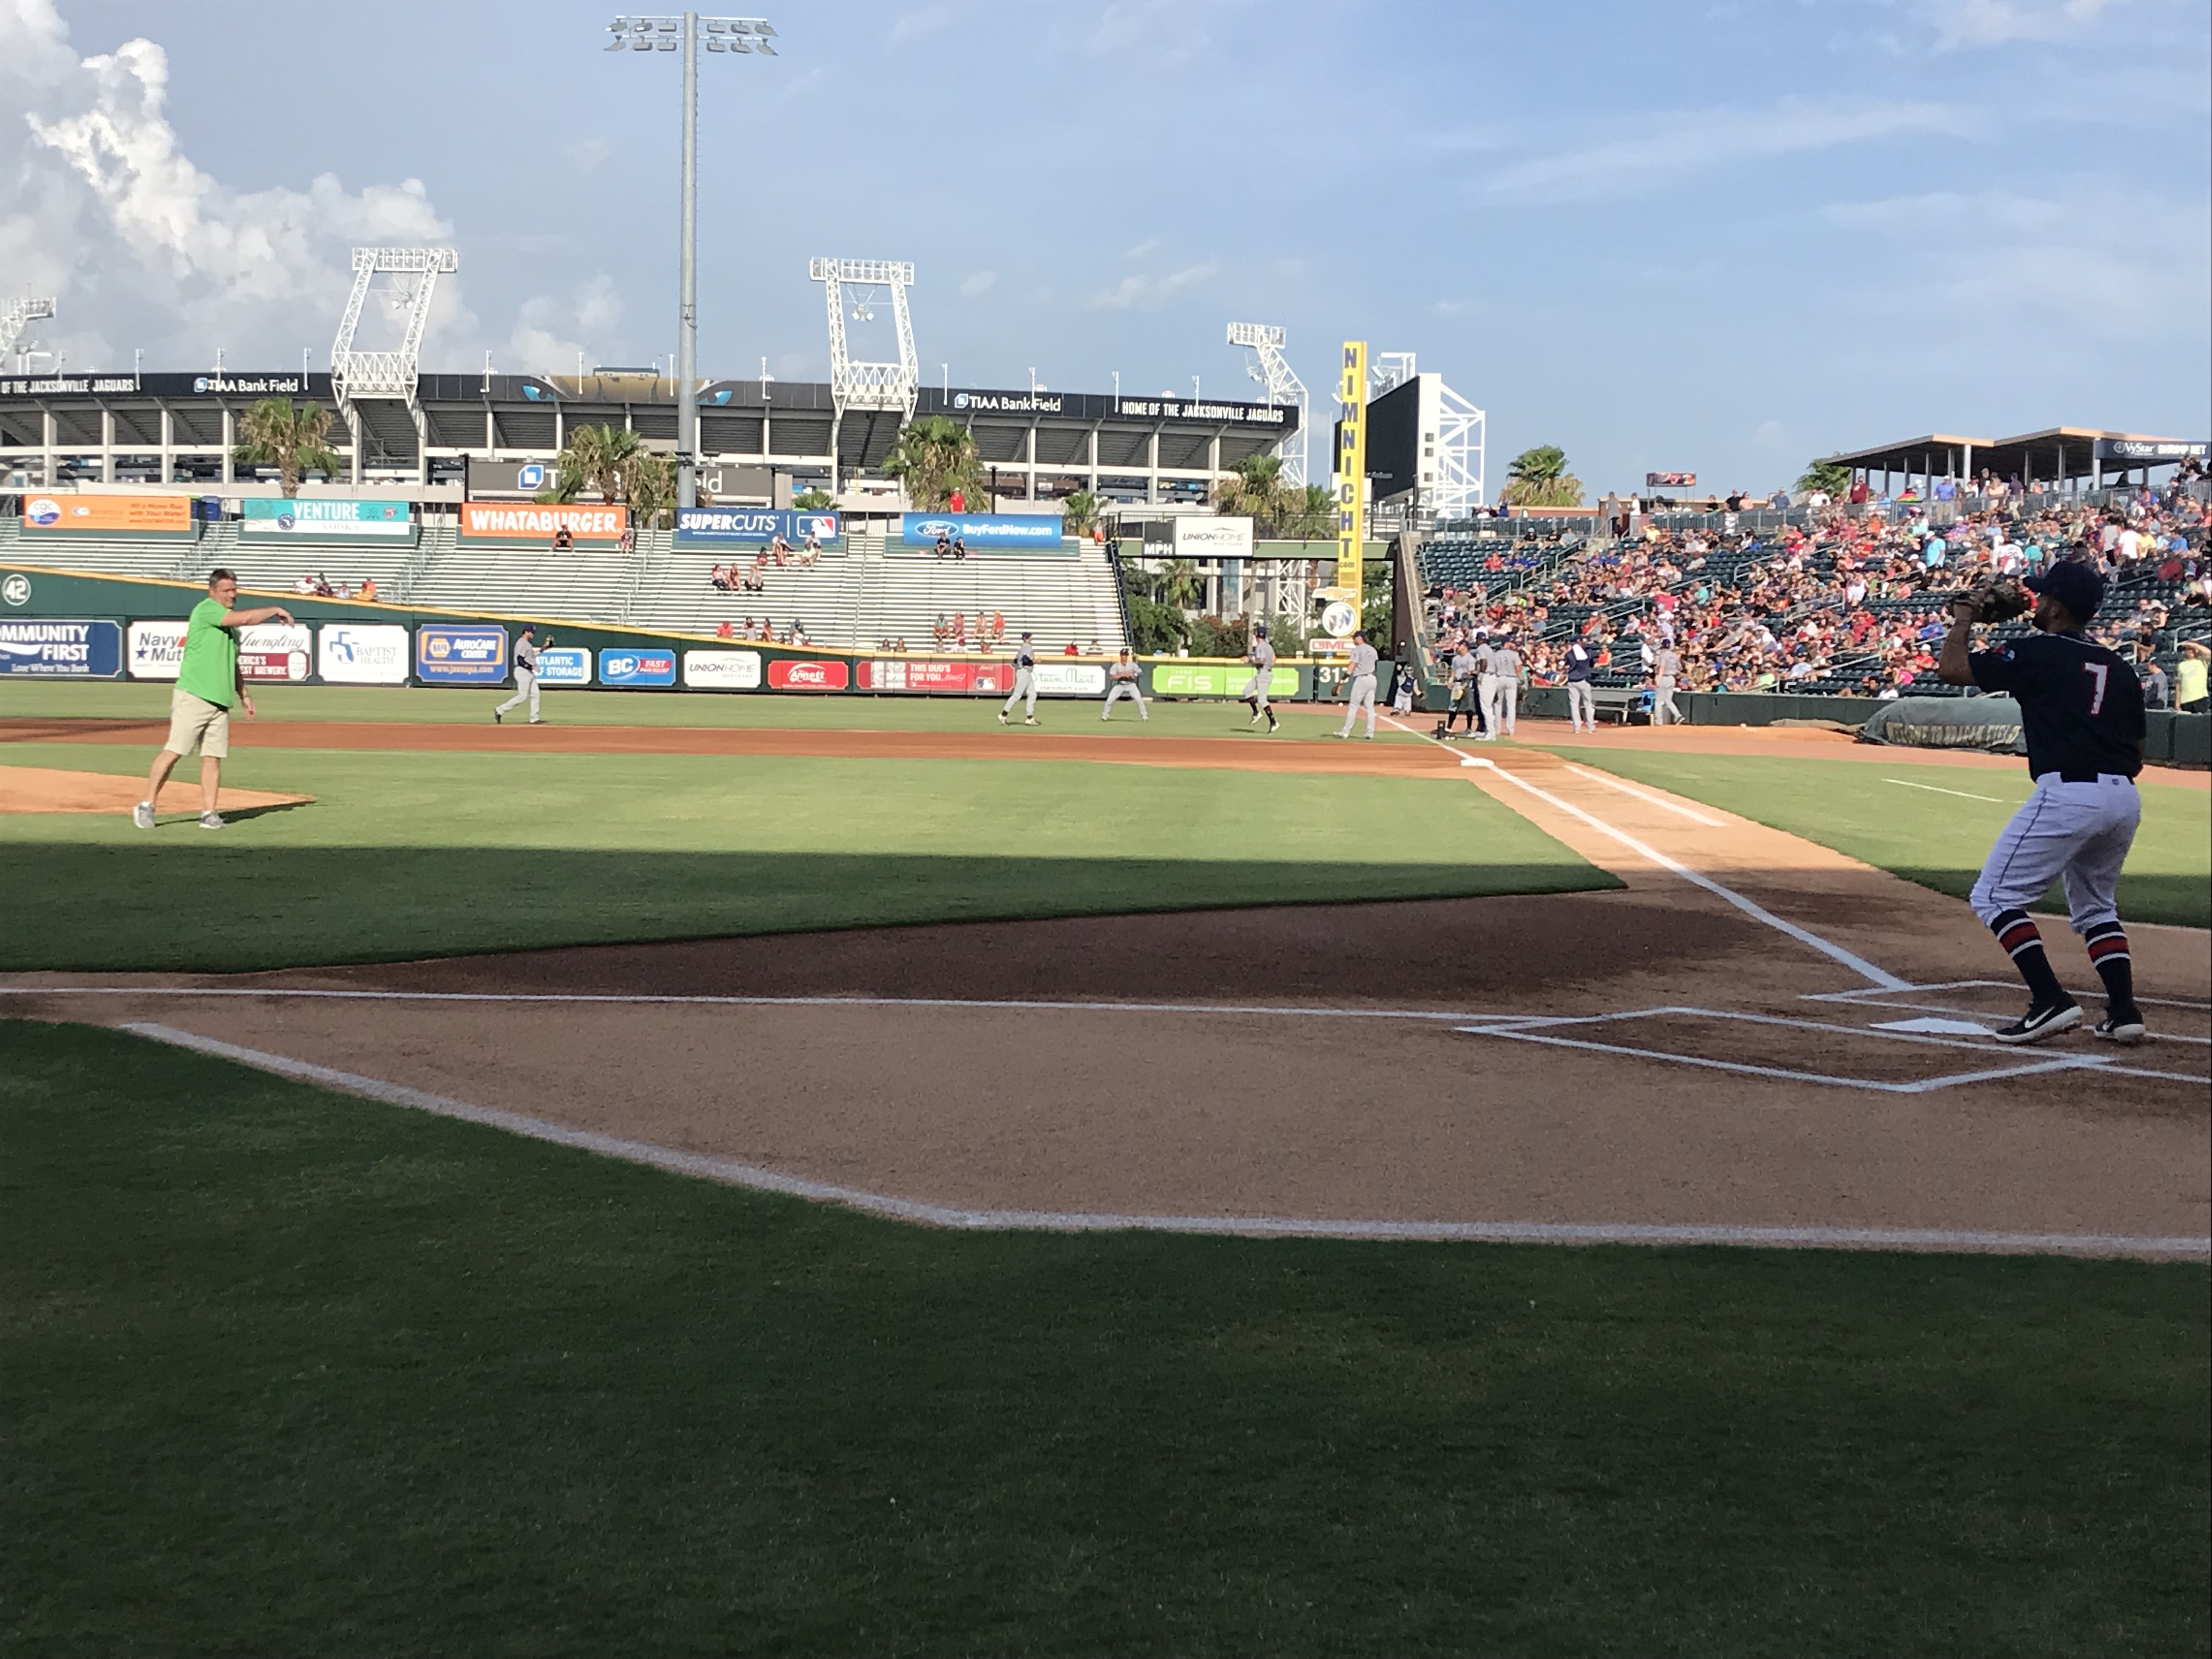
(525, 690)
(1500, 703)
(1024, 686)
(1255, 690)
(1662, 702)
(1582, 705)
(2079, 833)
(1119, 690)
(1362, 696)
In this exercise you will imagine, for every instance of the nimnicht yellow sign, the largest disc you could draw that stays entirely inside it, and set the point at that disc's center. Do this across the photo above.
(1352, 473)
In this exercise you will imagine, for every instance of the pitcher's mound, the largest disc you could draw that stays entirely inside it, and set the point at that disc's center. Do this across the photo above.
(47, 789)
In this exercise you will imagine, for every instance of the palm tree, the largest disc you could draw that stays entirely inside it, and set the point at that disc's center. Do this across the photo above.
(814, 501)
(1832, 476)
(934, 457)
(648, 484)
(1179, 584)
(276, 433)
(1308, 515)
(596, 458)
(1257, 491)
(1539, 477)
(1079, 513)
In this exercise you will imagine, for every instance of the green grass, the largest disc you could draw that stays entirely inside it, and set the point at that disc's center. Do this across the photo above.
(1937, 840)
(406, 854)
(124, 700)
(293, 1373)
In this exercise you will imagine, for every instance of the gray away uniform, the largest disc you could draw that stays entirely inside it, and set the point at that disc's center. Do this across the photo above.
(1024, 683)
(1501, 691)
(525, 680)
(1122, 679)
(1261, 656)
(1365, 657)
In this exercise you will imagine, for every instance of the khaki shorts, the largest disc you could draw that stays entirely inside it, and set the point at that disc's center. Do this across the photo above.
(196, 721)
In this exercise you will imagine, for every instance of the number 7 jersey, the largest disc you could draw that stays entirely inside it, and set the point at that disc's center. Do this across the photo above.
(2080, 704)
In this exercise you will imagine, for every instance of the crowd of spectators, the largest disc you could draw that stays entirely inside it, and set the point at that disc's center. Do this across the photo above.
(957, 634)
(316, 586)
(1853, 598)
(765, 631)
(735, 578)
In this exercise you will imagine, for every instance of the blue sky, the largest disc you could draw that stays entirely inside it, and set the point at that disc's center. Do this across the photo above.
(1720, 237)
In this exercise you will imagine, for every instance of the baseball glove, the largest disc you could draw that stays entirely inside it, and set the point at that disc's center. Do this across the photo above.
(1998, 598)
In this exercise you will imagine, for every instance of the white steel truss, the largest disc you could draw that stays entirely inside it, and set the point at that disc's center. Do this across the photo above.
(890, 387)
(1461, 430)
(1387, 369)
(1273, 370)
(387, 374)
(14, 314)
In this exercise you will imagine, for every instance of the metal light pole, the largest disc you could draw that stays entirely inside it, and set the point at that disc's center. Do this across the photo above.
(718, 34)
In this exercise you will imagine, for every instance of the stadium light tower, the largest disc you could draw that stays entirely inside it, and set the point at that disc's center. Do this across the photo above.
(719, 35)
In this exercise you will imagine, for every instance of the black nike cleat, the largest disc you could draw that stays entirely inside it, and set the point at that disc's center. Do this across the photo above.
(2038, 1024)
(2121, 1025)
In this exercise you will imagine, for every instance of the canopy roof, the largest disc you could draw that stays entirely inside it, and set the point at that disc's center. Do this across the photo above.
(2055, 453)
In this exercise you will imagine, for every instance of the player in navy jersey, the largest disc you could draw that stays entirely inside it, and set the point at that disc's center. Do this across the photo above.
(2081, 708)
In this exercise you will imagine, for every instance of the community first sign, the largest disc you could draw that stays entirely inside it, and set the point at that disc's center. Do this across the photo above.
(61, 649)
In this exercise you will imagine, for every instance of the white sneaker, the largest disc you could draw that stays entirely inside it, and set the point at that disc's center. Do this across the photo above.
(1002, 720)
(143, 815)
(212, 821)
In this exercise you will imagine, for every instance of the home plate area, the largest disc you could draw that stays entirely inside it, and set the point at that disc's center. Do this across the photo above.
(1943, 1043)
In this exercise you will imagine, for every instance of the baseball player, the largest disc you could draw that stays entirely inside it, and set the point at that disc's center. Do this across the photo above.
(1261, 656)
(1024, 683)
(2081, 708)
(1460, 682)
(1501, 697)
(1666, 669)
(1582, 695)
(1486, 686)
(525, 679)
(1121, 677)
(1364, 658)
(208, 685)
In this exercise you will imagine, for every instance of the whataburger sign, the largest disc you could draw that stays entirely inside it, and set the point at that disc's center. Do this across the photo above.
(513, 521)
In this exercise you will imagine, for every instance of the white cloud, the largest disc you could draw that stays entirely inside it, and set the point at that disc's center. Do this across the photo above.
(549, 332)
(1684, 141)
(1135, 293)
(914, 25)
(101, 207)
(976, 283)
(1963, 24)
(1448, 307)
(1150, 245)
(589, 155)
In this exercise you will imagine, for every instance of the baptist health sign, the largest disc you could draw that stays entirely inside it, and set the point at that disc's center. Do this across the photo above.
(333, 520)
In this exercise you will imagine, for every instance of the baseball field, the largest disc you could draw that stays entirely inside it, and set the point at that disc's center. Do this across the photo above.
(787, 1174)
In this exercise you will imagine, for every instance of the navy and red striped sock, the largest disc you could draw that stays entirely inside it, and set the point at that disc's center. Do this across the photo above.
(2023, 942)
(2108, 955)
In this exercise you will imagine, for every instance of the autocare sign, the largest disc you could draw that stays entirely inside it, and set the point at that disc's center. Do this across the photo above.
(625, 666)
(460, 654)
(897, 674)
(722, 671)
(530, 522)
(157, 650)
(362, 654)
(567, 665)
(808, 674)
(61, 649)
(711, 526)
(1032, 530)
(275, 651)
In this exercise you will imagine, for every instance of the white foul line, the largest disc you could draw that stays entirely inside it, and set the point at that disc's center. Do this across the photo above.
(1880, 978)
(1906, 783)
(1625, 788)
(1506, 1233)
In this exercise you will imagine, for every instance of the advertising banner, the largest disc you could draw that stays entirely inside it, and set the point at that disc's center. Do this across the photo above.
(808, 674)
(1670, 481)
(750, 526)
(157, 650)
(1351, 472)
(63, 514)
(515, 480)
(362, 654)
(2138, 450)
(1212, 538)
(1216, 679)
(521, 522)
(61, 650)
(568, 664)
(460, 654)
(892, 674)
(319, 520)
(723, 670)
(1036, 530)
(1076, 679)
(627, 666)
(275, 651)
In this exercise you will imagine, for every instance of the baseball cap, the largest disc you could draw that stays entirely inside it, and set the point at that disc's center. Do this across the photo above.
(2073, 584)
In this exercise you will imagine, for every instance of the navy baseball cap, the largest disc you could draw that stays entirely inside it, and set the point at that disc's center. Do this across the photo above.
(2073, 584)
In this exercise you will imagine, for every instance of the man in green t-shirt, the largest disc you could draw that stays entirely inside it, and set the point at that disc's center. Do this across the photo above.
(207, 686)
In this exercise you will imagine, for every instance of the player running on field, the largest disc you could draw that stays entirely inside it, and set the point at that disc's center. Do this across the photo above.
(208, 687)
(2082, 709)
(1261, 656)
(1121, 677)
(1024, 683)
(1361, 684)
(525, 678)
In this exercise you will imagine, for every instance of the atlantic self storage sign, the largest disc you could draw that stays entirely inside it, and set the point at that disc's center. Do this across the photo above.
(516, 521)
